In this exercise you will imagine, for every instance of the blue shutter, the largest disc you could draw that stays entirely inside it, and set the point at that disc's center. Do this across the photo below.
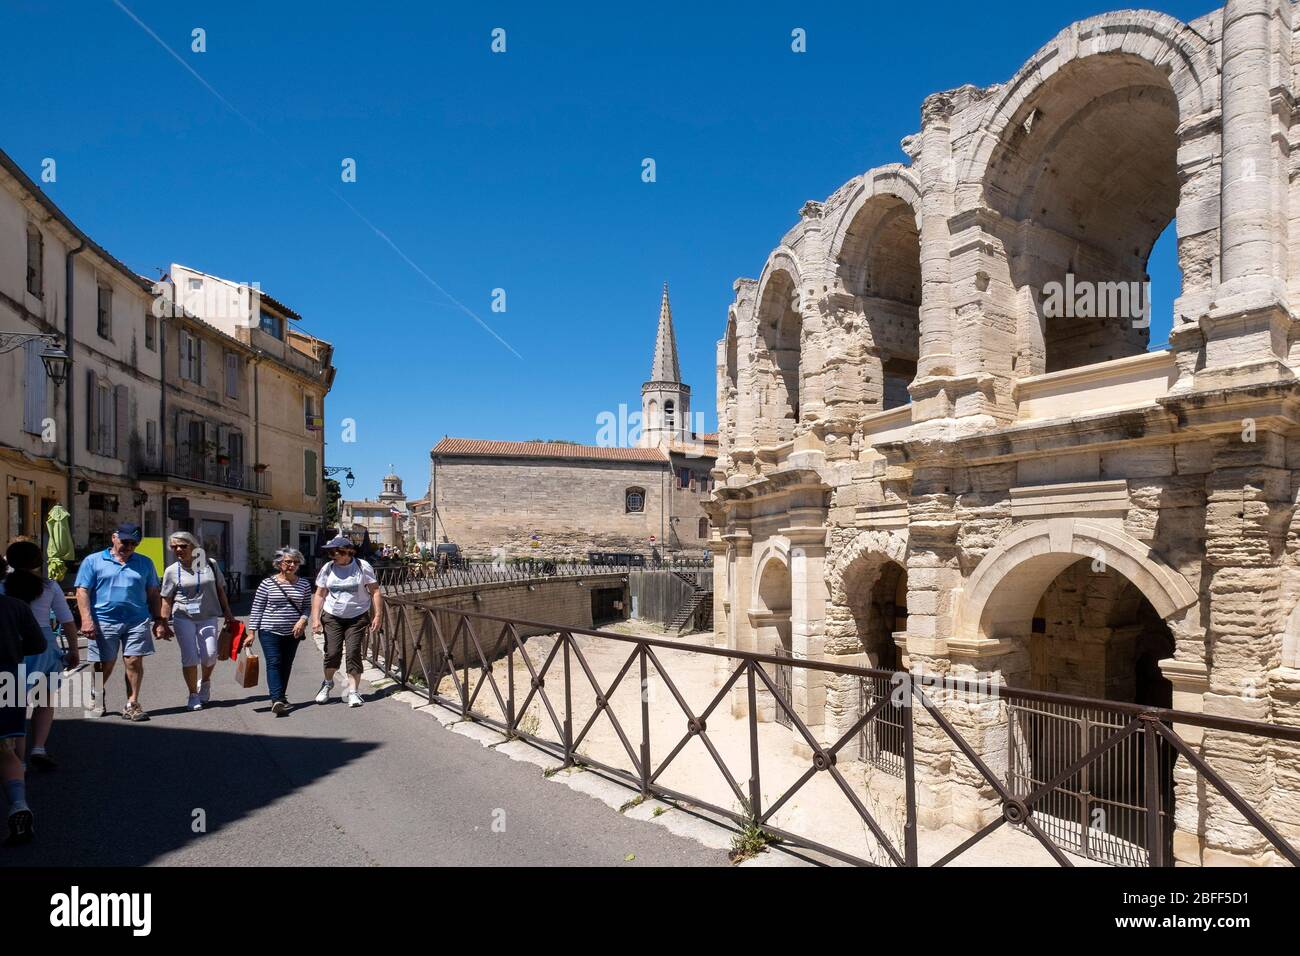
(34, 392)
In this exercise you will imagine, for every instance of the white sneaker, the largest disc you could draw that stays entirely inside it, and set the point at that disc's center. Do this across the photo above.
(324, 695)
(194, 702)
(354, 699)
(205, 691)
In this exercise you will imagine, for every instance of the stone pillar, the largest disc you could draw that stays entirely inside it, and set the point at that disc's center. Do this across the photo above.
(1249, 501)
(1246, 331)
(808, 598)
(938, 173)
(771, 630)
(740, 633)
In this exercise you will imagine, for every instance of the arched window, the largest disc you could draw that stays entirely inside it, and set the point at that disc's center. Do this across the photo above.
(634, 500)
(704, 528)
(670, 411)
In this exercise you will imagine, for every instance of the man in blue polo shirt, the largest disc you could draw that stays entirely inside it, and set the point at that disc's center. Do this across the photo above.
(118, 592)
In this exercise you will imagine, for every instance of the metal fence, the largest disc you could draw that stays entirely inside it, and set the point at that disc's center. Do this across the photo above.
(419, 577)
(1057, 745)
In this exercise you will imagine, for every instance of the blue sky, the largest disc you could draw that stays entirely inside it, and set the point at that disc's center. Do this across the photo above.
(519, 171)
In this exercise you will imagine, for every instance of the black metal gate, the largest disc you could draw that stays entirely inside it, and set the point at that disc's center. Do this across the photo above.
(880, 742)
(1101, 810)
(784, 679)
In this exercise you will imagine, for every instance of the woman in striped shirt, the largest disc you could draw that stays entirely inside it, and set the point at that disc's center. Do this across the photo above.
(281, 607)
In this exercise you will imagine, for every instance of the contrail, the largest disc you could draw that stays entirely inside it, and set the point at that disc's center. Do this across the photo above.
(356, 212)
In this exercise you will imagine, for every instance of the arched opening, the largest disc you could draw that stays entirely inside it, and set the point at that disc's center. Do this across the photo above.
(1092, 634)
(670, 415)
(880, 612)
(777, 364)
(1086, 175)
(880, 265)
(773, 636)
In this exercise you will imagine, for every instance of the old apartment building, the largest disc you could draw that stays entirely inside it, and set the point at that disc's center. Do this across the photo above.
(553, 499)
(165, 418)
(925, 464)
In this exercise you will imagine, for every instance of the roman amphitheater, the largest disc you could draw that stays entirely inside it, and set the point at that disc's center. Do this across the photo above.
(924, 466)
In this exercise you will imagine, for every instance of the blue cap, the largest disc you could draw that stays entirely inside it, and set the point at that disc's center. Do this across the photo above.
(128, 532)
(339, 542)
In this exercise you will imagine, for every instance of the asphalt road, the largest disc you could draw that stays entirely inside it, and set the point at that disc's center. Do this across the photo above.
(326, 785)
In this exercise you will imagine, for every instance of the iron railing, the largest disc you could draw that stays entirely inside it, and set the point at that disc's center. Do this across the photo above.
(416, 577)
(420, 647)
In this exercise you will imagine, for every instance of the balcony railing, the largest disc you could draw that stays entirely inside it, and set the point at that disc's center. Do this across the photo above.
(211, 471)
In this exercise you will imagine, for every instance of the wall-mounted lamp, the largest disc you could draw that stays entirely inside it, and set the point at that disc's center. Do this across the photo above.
(82, 487)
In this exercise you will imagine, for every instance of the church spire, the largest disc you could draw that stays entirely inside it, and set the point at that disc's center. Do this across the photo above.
(665, 367)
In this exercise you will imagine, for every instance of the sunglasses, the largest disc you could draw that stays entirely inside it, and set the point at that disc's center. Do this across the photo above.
(128, 543)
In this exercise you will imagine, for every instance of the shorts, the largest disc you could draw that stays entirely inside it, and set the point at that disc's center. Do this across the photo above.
(341, 632)
(45, 669)
(197, 638)
(132, 640)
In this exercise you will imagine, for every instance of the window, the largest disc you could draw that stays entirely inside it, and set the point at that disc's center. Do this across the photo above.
(704, 528)
(284, 532)
(151, 440)
(310, 472)
(106, 417)
(18, 514)
(195, 284)
(191, 358)
(314, 422)
(104, 320)
(35, 261)
(232, 375)
(683, 478)
(235, 449)
(670, 409)
(272, 325)
(151, 524)
(150, 332)
(635, 501)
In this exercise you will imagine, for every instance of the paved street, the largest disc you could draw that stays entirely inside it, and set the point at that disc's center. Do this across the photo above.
(326, 785)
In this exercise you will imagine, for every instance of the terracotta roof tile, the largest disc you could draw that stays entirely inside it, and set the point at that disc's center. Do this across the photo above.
(530, 449)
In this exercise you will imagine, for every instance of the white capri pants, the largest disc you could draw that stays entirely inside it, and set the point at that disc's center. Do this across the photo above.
(197, 639)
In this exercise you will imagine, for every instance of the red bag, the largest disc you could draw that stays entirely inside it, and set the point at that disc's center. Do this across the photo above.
(238, 637)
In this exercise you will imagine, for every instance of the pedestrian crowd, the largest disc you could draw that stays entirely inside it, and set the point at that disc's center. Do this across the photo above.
(125, 606)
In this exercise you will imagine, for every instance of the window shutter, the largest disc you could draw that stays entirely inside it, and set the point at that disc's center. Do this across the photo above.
(92, 419)
(120, 425)
(34, 393)
(183, 354)
(203, 355)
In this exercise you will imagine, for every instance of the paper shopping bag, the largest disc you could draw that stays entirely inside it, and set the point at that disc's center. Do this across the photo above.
(248, 670)
(224, 644)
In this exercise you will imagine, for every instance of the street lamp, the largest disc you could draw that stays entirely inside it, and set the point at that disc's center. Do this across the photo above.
(349, 477)
(53, 357)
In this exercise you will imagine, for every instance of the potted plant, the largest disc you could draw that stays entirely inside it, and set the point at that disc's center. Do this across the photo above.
(259, 467)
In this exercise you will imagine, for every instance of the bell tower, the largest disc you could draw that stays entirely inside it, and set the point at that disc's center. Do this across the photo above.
(665, 401)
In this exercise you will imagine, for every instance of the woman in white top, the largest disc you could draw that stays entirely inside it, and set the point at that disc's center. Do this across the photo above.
(45, 669)
(193, 601)
(347, 596)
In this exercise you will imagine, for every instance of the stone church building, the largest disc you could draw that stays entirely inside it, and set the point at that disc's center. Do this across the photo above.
(561, 500)
(924, 463)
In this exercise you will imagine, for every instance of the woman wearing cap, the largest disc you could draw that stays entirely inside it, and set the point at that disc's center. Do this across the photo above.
(347, 596)
(193, 601)
(281, 609)
(27, 582)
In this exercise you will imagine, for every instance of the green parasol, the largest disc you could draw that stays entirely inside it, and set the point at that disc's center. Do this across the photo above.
(59, 551)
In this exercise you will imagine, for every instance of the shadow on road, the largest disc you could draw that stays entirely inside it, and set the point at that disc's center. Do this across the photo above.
(126, 794)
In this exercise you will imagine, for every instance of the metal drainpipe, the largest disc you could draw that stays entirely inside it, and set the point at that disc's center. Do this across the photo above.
(68, 428)
(162, 415)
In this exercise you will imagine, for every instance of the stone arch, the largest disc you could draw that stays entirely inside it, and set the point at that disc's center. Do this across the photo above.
(778, 366)
(894, 181)
(865, 552)
(1078, 157)
(875, 255)
(773, 559)
(1164, 42)
(1006, 586)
